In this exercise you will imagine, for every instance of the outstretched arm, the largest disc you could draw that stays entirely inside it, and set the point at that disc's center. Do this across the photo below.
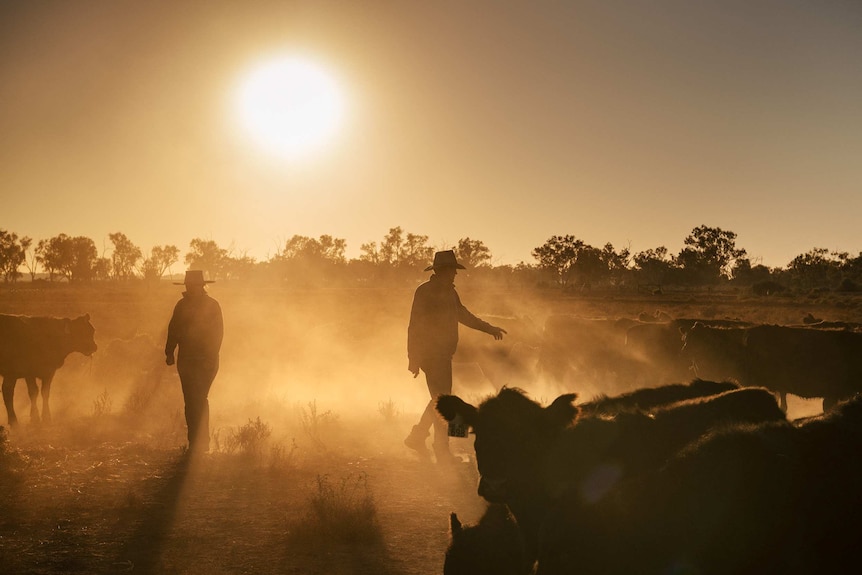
(467, 318)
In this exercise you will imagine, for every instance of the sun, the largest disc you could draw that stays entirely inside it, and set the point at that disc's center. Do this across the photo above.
(290, 106)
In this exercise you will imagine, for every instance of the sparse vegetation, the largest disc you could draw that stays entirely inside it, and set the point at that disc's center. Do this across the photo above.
(103, 404)
(389, 411)
(315, 424)
(341, 512)
(248, 439)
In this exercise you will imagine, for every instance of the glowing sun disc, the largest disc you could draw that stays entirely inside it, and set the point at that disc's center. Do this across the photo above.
(290, 106)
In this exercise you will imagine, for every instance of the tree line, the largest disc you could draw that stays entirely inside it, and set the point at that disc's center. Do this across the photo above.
(709, 257)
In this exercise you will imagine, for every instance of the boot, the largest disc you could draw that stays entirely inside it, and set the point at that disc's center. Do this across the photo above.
(416, 440)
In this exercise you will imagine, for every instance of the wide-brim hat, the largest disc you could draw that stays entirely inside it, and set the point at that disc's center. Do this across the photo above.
(194, 277)
(445, 259)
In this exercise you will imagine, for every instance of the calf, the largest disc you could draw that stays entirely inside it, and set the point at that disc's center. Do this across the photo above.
(34, 348)
(494, 546)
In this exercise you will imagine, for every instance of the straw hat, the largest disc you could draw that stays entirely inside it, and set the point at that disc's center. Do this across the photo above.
(195, 278)
(445, 259)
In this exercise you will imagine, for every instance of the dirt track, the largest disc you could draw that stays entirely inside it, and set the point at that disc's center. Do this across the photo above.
(122, 506)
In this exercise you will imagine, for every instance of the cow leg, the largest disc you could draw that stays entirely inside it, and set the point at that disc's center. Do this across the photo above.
(46, 393)
(8, 399)
(33, 392)
(782, 400)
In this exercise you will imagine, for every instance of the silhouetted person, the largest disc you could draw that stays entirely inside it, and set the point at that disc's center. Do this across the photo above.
(432, 338)
(197, 328)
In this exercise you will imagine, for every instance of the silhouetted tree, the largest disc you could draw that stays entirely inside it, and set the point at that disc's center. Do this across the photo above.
(326, 248)
(124, 257)
(473, 253)
(72, 257)
(817, 267)
(653, 266)
(45, 256)
(160, 260)
(206, 255)
(398, 256)
(398, 250)
(369, 253)
(746, 274)
(709, 254)
(101, 269)
(559, 255)
(238, 267)
(13, 253)
(310, 261)
(616, 262)
(852, 268)
(31, 262)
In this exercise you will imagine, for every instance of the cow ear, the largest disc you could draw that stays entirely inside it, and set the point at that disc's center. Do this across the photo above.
(451, 406)
(562, 411)
(87, 316)
(454, 524)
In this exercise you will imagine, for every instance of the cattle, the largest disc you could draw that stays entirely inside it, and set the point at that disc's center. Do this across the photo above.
(585, 350)
(648, 398)
(775, 498)
(34, 348)
(717, 352)
(806, 362)
(493, 546)
(528, 454)
(658, 347)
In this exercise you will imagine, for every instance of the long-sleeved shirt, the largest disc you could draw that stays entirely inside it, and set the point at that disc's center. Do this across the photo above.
(196, 326)
(433, 330)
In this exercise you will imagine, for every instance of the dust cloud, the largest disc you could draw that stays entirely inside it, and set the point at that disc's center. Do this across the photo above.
(290, 358)
(299, 359)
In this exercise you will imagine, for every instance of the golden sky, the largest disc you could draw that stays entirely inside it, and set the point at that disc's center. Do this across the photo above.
(507, 122)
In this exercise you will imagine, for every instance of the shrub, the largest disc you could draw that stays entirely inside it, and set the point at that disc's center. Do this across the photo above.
(342, 512)
(247, 439)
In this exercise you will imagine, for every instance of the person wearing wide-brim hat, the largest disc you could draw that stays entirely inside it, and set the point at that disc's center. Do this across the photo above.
(432, 338)
(196, 328)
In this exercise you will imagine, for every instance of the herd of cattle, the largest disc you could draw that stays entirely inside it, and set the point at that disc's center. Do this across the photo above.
(704, 478)
(708, 477)
(649, 483)
(816, 360)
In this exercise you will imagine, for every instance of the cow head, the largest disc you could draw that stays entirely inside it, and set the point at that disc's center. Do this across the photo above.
(80, 332)
(513, 434)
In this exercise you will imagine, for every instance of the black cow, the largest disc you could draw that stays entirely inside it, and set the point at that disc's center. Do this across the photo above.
(34, 348)
(772, 499)
(528, 455)
(658, 346)
(493, 546)
(648, 398)
(806, 362)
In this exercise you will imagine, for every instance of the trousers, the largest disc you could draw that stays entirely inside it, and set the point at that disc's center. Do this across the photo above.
(438, 377)
(196, 377)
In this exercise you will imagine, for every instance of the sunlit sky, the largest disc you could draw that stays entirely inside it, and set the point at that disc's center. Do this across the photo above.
(507, 122)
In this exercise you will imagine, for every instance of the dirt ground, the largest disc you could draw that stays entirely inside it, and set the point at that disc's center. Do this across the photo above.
(99, 501)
